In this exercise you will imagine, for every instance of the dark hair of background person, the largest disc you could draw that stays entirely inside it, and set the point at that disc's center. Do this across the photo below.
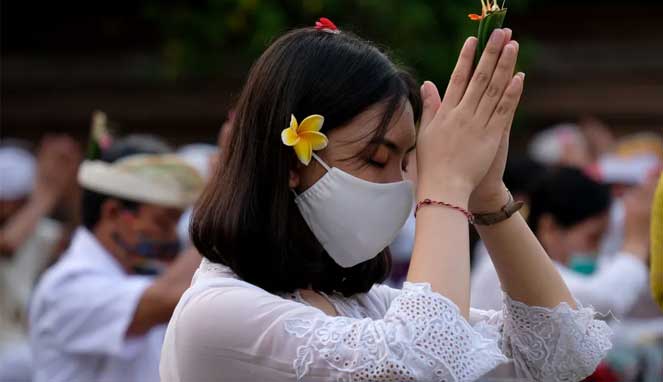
(91, 201)
(569, 196)
(246, 217)
(521, 174)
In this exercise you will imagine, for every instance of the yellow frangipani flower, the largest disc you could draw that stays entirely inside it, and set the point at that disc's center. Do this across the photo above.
(305, 137)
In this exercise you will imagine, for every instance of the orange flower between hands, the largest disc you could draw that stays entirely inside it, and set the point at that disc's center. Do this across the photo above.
(305, 137)
(486, 7)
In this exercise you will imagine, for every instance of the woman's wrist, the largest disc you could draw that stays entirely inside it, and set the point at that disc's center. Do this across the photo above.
(452, 190)
(489, 201)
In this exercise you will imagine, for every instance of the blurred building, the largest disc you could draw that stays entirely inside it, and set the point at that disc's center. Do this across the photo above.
(60, 61)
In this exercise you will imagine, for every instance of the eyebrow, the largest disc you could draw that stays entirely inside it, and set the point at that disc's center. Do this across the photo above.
(391, 145)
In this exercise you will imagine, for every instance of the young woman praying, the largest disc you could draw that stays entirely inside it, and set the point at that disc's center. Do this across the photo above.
(295, 224)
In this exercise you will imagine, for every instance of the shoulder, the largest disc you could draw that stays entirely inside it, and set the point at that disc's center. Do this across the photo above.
(373, 304)
(225, 313)
(69, 288)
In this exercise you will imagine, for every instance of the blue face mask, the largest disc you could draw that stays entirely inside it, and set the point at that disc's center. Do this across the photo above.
(157, 249)
(149, 248)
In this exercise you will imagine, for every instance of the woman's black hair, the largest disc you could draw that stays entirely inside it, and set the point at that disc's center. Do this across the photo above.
(246, 218)
(569, 196)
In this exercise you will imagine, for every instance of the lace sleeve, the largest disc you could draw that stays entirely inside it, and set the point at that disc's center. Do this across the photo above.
(559, 344)
(422, 337)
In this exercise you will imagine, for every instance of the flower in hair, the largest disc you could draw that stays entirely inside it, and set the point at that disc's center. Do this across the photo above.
(305, 137)
(326, 25)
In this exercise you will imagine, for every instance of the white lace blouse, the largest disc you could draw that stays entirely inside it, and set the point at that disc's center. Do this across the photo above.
(225, 329)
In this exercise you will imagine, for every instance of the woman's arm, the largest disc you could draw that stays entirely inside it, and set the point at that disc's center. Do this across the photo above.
(526, 272)
(458, 140)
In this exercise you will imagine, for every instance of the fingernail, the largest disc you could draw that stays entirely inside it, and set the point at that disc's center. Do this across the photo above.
(515, 44)
(496, 36)
(425, 90)
(521, 75)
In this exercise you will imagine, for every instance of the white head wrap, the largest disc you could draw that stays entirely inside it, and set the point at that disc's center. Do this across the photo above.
(17, 172)
(547, 147)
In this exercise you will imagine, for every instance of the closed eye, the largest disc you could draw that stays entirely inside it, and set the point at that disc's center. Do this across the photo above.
(376, 163)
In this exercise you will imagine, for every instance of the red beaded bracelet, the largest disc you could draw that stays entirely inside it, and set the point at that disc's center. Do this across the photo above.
(427, 202)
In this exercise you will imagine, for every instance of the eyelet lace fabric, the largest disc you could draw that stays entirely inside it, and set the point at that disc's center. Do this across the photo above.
(560, 344)
(422, 337)
(226, 326)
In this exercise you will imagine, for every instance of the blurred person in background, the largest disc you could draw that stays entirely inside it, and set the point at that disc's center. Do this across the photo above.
(598, 135)
(569, 213)
(634, 159)
(561, 145)
(31, 189)
(97, 314)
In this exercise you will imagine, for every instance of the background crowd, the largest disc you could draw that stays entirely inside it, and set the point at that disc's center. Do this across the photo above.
(587, 155)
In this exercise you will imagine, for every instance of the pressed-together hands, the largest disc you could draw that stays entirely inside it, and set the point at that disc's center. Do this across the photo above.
(464, 137)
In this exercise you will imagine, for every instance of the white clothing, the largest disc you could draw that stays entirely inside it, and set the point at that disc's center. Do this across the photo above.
(79, 317)
(613, 238)
(16, 362)
(225, 329)
(613, 287)
(18, 275)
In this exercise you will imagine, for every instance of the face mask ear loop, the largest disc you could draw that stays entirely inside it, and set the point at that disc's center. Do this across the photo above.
(321, 162)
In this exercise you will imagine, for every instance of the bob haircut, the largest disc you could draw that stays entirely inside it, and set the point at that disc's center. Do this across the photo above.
(246, 217)
(569, 196)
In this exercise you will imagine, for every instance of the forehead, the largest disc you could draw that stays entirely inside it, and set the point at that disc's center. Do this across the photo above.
(594, 224)
(361, 130)
(159, 212)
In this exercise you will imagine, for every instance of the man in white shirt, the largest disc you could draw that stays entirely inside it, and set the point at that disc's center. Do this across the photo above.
(93, 317)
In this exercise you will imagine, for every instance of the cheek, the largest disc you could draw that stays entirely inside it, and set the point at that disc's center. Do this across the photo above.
(581, 242)
(309, 175)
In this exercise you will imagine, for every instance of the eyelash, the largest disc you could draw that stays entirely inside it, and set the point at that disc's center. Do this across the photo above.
(376, 164)
(383, 165)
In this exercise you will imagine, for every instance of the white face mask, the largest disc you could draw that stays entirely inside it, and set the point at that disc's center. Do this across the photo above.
(352, 218)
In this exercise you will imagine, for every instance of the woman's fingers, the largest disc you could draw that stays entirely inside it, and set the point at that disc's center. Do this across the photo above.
(501, 77)
(503, 116)
(484, 71)
(461, 75)
(431, 102)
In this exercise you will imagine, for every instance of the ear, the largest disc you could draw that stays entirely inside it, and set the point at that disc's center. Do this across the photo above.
(294, 179)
